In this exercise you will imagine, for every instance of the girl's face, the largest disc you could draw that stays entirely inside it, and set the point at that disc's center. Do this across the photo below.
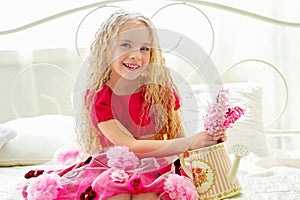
(131, 55)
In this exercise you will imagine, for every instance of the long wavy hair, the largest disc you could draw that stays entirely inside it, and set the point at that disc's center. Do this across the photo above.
(158, 87)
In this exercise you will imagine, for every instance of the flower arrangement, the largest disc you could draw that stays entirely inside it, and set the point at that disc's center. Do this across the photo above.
(219, 115)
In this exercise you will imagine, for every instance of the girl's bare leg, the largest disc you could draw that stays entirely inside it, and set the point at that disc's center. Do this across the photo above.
(145, 196)
(120, 197)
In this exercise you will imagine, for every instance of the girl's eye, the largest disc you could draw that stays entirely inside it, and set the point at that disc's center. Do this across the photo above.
(144, 48)
(127, 45)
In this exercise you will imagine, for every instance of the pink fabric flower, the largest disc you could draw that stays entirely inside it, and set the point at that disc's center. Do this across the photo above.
(89, 194)
(33, 173)
(219, 115)
(180, 188)
(135, 186)
(119, 176)
(44, 187)
(65, 155)
(120, 157)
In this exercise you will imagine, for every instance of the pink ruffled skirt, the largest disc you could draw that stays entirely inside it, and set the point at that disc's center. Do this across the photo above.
(96, 179)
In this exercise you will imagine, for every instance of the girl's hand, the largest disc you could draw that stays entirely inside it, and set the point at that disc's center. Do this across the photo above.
(221, 135)
(203, 139)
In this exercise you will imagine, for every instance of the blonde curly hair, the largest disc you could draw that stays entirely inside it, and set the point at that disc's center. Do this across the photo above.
(159, 87)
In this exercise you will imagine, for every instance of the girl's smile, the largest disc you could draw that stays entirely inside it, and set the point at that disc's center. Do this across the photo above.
(131, 55)
(131, 66)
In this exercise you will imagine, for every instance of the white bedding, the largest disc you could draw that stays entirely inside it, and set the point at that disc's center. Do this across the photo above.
(275, 177)
(271, 178)
(12, 179)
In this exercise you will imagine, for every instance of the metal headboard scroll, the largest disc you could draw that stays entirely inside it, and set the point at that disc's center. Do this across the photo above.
(269, 65)
(81, 22)
(42, 96)
(196, 2)
(179, 39)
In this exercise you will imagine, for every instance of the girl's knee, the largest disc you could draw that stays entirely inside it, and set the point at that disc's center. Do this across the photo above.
(120, 197)
(145, 196)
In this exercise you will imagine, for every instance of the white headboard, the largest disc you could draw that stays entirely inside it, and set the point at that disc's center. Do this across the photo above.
(41, 81)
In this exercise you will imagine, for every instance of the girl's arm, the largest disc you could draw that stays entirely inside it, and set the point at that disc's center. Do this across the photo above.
(120, 136)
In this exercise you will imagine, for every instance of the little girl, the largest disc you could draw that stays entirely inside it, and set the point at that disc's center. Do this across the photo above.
(130, 120)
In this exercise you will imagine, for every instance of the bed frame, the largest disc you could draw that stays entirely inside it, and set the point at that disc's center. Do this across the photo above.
(64, 72)
(225, 72)
(53, 102)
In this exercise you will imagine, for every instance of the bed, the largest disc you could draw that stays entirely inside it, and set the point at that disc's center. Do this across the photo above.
(37, 124)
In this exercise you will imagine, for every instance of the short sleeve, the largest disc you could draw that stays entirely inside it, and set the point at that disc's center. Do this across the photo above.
(102, 107)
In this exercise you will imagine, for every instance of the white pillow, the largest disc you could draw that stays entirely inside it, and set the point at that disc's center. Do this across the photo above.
(248, 130)
(38, 138)
(6, 134)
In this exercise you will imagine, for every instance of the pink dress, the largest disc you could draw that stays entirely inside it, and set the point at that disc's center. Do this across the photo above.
(103, 176)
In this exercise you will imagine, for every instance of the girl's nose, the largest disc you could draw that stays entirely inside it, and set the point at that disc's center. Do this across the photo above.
(135, 54)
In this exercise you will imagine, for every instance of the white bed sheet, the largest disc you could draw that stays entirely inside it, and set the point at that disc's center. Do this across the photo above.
(276, 177)
(11, 179)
